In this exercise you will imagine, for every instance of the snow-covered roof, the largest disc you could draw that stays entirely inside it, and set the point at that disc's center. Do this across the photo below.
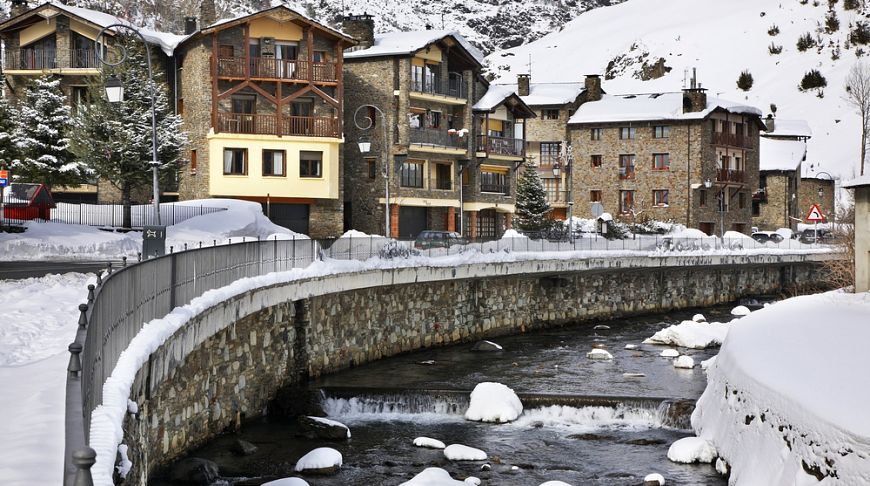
(400, 43)
(790, 128)
(499, 94)
(303, 16)
(864, 180)
(650, 107)
(550, 94)
(780, 154)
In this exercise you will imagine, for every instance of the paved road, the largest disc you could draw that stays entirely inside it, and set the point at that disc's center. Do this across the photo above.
(18, 270)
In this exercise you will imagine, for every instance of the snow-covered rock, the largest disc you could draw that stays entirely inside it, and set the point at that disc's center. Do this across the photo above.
(691, 334)
(459, 452)
(689, 450)
(433, 476)
(486, 346)
(599, 354)
(631, 346)
(685, 362)
(493, 402)
(699, 318)
(287, 482)
(428, 443)
(323, 460)
(473, 480)
(654, 478)
(555, 483)
(721, 466)
(323, 428)
(669, 353)
(740, 310)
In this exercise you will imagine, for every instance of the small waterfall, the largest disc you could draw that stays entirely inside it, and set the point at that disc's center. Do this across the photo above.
(394, 404)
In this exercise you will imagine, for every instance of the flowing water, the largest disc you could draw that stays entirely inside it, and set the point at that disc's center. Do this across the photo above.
(585, 422)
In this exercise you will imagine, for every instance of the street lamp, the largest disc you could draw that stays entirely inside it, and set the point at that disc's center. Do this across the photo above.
(115, 94)
(365, 146)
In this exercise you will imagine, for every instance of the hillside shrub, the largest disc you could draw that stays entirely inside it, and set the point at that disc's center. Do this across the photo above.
(851, 4)
(774, 49)
(773, 30)
(805, 42)
(744, 81)
(860, 33)
(832, 23)
(813, 80)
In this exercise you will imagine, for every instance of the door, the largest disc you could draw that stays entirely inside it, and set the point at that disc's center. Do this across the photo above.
(244, 109)
(84, 54)
(285, 55)
(412, 221)
(291, 216)
(254, 53)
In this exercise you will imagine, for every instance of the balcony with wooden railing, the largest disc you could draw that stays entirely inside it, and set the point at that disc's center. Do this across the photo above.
(269, 124)
(556, 196)
(270, 68)
(510, 147)
(731, 175)
(731, 140)
(50, 59)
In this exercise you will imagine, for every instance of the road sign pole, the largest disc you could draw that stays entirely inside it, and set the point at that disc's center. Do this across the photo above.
(2, 215)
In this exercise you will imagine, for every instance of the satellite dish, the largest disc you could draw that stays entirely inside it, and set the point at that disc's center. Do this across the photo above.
(597, 209)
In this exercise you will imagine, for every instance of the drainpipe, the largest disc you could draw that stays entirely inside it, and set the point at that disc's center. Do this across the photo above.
(689, 173)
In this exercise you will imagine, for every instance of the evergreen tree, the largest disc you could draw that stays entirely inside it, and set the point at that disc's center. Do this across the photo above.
(532, 206)
(8, 150)
(116, 140)
(744, 81)
(42, 137)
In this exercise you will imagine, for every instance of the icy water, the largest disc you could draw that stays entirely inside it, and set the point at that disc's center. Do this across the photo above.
(585, 422)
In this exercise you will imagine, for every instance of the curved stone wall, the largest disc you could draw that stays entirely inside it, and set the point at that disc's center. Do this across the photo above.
(227, 364)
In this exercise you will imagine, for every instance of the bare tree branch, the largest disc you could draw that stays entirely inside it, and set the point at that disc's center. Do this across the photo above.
(858, 95)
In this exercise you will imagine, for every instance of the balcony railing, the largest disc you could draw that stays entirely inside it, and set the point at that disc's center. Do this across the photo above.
(513, 147)
(731, 139)
(496, 188)
(444, 184)
(437, 138)
(626, 173)
(730, 175)
(304, 126)
(432, 85)
(271, 68)
(554, 196)
(45, 59)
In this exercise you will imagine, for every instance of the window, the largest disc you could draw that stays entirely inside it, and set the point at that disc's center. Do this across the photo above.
(702, 198)
(79, 99)
(244, 104)
(596, 160)
(595, 196)
(433, 119)
(193, 161)
(661, 161)
(596, 133)
(310, 164)
(412, 174)
(550, 152)
(661, 132)
(319, 56)
(550, 114)
(373, 168)
(226, 51)
(443, 179)
(660, 198)
(493, 182)
(626, 166)
(626, 201)
(627, 133)
(273, 163)
(235, 161)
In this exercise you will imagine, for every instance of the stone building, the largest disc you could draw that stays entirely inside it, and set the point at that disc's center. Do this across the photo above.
(60, 40)
(261, 98)
(424, 85)
(783, 151)
(861, 185)
(682, 157)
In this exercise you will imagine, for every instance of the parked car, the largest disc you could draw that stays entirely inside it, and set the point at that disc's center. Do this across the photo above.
(767, 236)
(438, 239)
(809, 236)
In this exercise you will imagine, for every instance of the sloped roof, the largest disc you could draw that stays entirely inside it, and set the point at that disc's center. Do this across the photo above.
(790, 128)
(498, 95)
(781, 155)
(862, 181)
(651, 107)
(403, 43)
(248, 16)
(550, 94)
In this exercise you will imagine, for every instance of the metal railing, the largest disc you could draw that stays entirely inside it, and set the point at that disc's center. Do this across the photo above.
(272, 68)
(554, 196)
(513, 147)
(436, 137)
(46, 59)
(431, 84)
(731, 139)
(109, 215)
(730, 175)
(267, 124)
(496, 188)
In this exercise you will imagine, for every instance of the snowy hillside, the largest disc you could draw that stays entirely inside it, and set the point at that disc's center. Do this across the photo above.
(720, 39)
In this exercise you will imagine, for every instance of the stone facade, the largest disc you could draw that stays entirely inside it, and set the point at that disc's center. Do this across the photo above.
(808, 194)
(776, 206)
(223, 367)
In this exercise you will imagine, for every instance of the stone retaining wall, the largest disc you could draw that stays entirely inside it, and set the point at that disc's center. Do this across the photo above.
(228, 363)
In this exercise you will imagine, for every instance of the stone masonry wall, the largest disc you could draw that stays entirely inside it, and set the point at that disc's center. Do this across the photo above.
(196, 119)
(225, 365)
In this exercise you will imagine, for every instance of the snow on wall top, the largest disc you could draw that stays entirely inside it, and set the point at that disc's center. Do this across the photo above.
(550, 94)
(398, 43)
(781, 154)
(864, 180)
(790, 128)
(655, 106)
(494, 96)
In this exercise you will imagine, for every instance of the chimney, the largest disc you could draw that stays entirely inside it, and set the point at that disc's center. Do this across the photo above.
(593, 87)
(361, 28)
(18, 8)
(770, 123)
(207, 12)
(694, 97)
(524, 82)
(189, 25)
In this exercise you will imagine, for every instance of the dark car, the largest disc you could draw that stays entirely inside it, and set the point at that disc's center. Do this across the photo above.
(809, 236)
(438, 239)
(767, 236)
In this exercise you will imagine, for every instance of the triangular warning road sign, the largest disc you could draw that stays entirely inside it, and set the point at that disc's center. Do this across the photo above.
(815, 214)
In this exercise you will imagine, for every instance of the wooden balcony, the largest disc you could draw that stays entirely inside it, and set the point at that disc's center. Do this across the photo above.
(504, 188)
(511, 147)
(731, 175)
(269, 124)
(731, 140)
(50, 59)
(556, 196)
(269, 68)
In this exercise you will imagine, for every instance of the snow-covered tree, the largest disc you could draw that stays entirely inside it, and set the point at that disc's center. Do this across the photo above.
(42, 137)
(115, 141)
(532, 206)
(8, 150)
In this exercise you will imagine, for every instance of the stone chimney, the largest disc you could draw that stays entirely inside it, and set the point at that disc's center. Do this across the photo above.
(593, 87)
(207, 12)
(524, 82)
(361, 28)
(189, 25)
(694, 99)
(770, 123)
(18, 8)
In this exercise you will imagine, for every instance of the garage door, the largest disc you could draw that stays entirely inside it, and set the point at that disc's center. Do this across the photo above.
(291, 216)
(411, 221)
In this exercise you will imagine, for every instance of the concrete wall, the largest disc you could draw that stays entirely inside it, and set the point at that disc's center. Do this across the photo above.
(862, 239)
(226, 364)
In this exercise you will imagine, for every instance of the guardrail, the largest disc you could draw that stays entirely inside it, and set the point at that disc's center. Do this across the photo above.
(125, 299)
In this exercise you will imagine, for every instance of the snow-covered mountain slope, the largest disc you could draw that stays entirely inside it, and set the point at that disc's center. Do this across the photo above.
(720, 39)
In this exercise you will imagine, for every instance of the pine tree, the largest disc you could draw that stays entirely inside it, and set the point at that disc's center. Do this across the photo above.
(8, 149)
(42, 138)
(532, 206)
(116, 140)
(744, 81)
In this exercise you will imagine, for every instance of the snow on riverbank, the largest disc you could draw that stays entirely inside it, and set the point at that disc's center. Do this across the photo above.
(787, 399)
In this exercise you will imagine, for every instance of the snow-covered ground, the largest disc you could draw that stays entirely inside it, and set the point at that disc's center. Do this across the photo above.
(787, 396)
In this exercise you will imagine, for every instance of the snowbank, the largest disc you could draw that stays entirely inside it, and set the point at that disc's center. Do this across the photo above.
(429, 443)
(740, 310)
(58, 241)
(459, 452)
(689, 450)
(287, 482)
(320, 458)
(691, 334)
(785, 398)
(433, 476)
(493, 402)
(512, 233)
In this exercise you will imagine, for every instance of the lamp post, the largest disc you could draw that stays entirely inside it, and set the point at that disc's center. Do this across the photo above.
(115, 94)
(365, 146)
